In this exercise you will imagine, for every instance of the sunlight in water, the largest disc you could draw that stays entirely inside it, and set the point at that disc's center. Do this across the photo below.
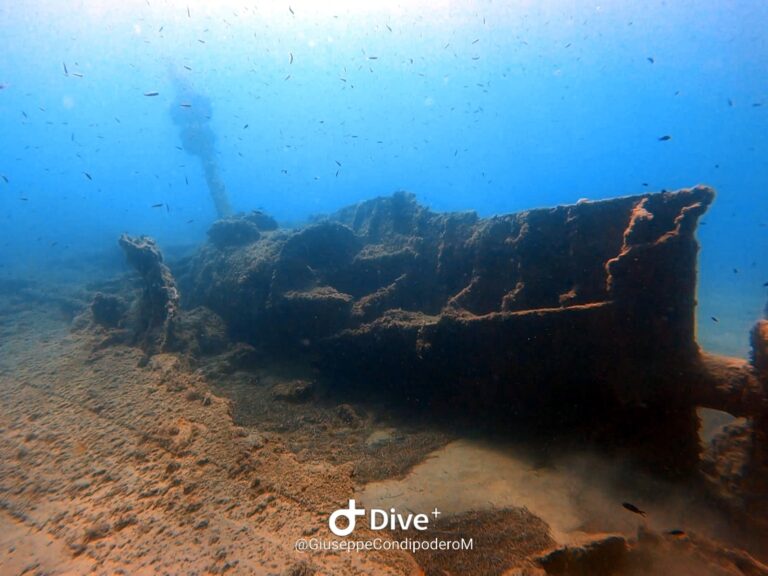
(289, 12)
(292, 8)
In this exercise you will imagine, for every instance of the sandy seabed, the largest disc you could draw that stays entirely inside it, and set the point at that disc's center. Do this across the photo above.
(110, 468)
(112, 465)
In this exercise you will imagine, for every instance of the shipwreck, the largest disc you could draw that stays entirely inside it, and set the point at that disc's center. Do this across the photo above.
(574, 322)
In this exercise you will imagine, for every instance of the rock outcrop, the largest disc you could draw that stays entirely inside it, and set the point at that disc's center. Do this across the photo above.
(736, 462)
(158, 307)
(145, 311)
(671, 552)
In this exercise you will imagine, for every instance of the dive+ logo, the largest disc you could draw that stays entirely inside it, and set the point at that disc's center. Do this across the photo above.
(378, 519)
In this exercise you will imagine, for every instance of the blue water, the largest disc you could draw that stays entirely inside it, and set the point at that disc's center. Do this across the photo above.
(489, 106)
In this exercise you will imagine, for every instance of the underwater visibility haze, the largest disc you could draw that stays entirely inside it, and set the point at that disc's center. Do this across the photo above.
(223, 222)
(487, 106)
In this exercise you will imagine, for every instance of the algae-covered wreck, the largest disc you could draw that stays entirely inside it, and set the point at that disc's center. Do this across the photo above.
(577, 321)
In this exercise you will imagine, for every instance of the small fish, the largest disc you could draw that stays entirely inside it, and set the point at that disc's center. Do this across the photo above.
(757, 104)
(246, 127)
(189, 15)
(4, 177)
(291, 55)
(373, 57)
(676, 532)
(735, 270)
(645, 184)
(665, 138)
(714, 319)
(388, 27)
(77, 74)
(157, 205)
(66, 72)
(190, 221)
(186, 180)
(161, 29)
(730, 102)
(765, 284)
(188, 67)
(337, 163)
(633, 508)
(650, 59)
(3, 86)
(87, 175)
(151, 93)
(185, 105)
(291, 11)
(287, 77)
